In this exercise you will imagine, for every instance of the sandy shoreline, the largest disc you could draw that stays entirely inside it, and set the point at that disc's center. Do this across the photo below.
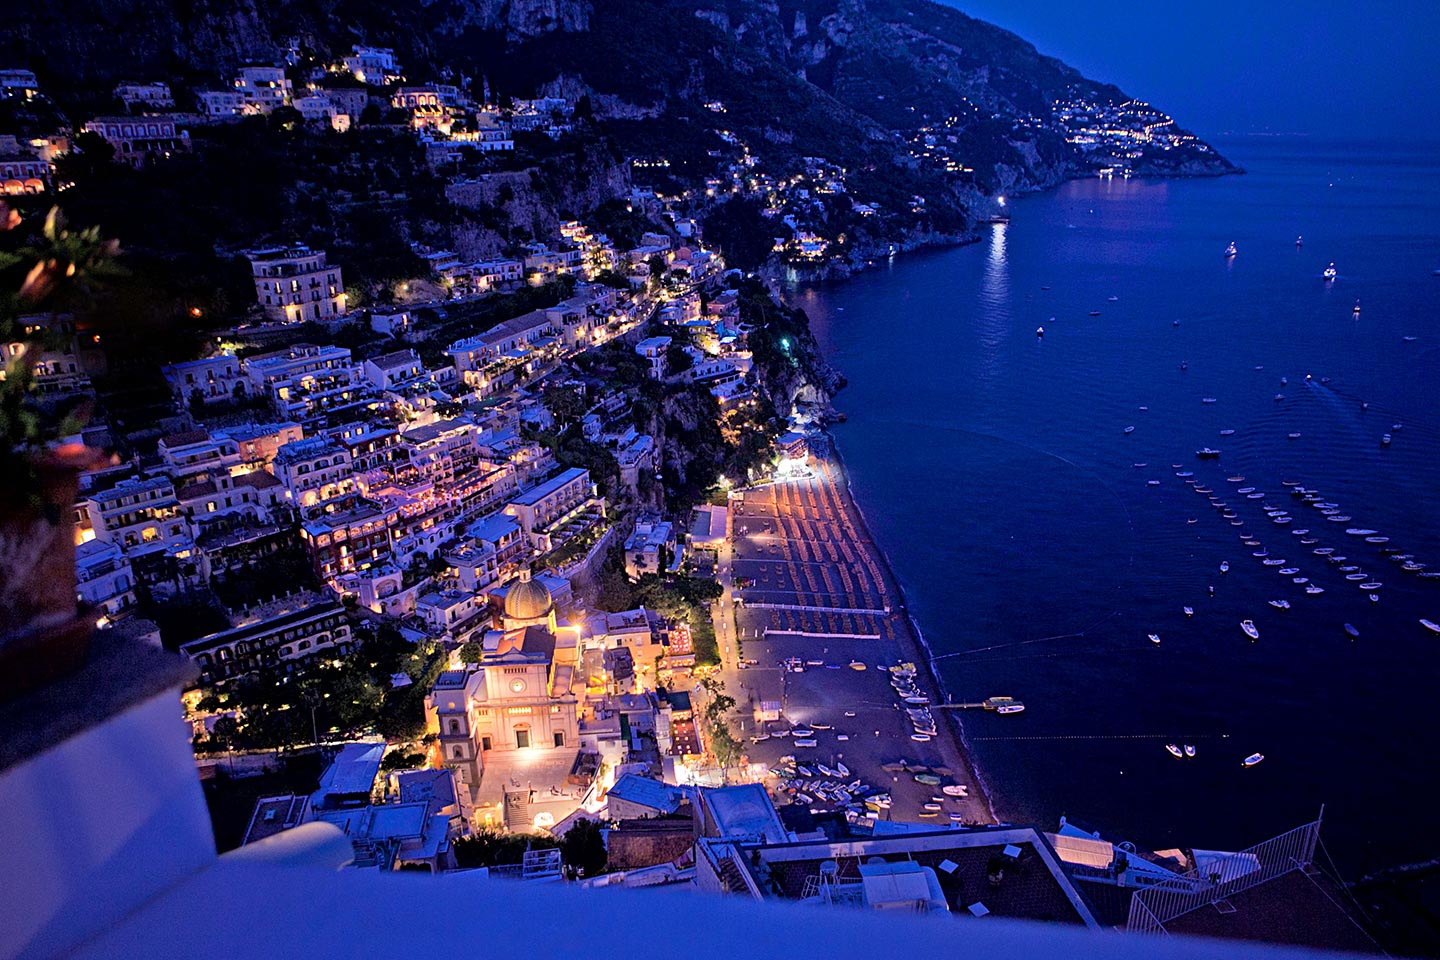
(923, 656)
(817, 591)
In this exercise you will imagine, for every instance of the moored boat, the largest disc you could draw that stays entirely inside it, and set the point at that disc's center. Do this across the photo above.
(1253, 759)
(1250, 629)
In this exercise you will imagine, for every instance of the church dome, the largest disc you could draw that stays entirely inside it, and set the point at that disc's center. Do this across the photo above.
(528, 599)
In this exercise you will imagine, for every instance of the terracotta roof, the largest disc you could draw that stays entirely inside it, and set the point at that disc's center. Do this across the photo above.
(258, 479)
(201, 488)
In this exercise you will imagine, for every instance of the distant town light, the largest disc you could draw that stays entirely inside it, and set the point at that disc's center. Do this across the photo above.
(1001, 200)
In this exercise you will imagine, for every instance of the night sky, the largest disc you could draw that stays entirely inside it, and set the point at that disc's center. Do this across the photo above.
(1323, 68)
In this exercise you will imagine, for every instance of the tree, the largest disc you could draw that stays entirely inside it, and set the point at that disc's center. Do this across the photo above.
(677, 361)
(583, 848)
(471, 652)
(565, 404)
(89, 156)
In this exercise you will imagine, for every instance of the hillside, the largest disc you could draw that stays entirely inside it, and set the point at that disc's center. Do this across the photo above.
(902, 118)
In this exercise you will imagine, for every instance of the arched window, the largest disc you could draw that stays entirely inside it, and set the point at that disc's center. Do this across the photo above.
(454, 725)
(459, 752)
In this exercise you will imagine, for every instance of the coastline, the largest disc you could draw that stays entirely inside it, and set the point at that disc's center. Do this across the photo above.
(814, 591)
(923, 655)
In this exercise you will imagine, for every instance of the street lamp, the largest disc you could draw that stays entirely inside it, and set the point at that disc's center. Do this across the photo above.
(311, 697)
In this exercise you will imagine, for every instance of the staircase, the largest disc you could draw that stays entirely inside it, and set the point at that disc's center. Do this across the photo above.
(518, 818)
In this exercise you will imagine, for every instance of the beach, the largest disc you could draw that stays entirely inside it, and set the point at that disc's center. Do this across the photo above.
(820, 620)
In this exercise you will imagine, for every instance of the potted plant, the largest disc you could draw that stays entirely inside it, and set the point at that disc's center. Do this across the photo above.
(43, 633)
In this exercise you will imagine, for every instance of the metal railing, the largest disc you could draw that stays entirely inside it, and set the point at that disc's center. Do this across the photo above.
(1151, 909)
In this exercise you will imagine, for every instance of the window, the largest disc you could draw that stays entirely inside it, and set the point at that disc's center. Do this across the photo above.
(459, 752)
(559, 738)
(454, 726)
(484, 743)
(522, 739)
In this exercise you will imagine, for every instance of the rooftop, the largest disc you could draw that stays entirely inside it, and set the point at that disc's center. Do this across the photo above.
(537, 493)
(648, 793)
(744, 811)
(1032, 883)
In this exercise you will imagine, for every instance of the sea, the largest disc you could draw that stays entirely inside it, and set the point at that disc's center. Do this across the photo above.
(1040, 544)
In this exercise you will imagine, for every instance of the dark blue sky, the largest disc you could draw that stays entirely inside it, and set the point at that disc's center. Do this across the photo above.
(1321, 67)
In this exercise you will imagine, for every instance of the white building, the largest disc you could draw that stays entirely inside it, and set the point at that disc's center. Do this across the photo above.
(294, 284)
(373, 65)
(105, 580)
(217, 379)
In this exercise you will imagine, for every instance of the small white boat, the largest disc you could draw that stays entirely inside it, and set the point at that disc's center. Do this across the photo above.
(1253, 759)
(1231, 250)
(1189, 750)
(1189, 611)
(1155, 638)
(1224, 566)
(1313, 590)
(1280, 604)
(1129, 429)
(849, 713)
(806, 743)
(1010, 708)
(1350, 629)
(803, 732)
(1329, 273)
(920, 737)
(1250, 631)
(1430, 625)
(843, 770)
(1175, 751)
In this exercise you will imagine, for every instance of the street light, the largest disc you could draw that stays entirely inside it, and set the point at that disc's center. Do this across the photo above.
(311, 697)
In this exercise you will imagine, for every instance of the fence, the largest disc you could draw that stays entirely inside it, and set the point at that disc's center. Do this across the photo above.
(1151, 909)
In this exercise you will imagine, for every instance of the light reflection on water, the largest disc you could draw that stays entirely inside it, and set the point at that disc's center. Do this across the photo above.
(997, 475)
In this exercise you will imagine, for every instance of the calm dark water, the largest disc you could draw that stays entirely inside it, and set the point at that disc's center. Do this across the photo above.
(994, 469)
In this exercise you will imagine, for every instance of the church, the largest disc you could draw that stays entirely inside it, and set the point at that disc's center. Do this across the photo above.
(520, 700)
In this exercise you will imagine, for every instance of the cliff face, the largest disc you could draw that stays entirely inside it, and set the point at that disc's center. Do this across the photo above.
(530, 204)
